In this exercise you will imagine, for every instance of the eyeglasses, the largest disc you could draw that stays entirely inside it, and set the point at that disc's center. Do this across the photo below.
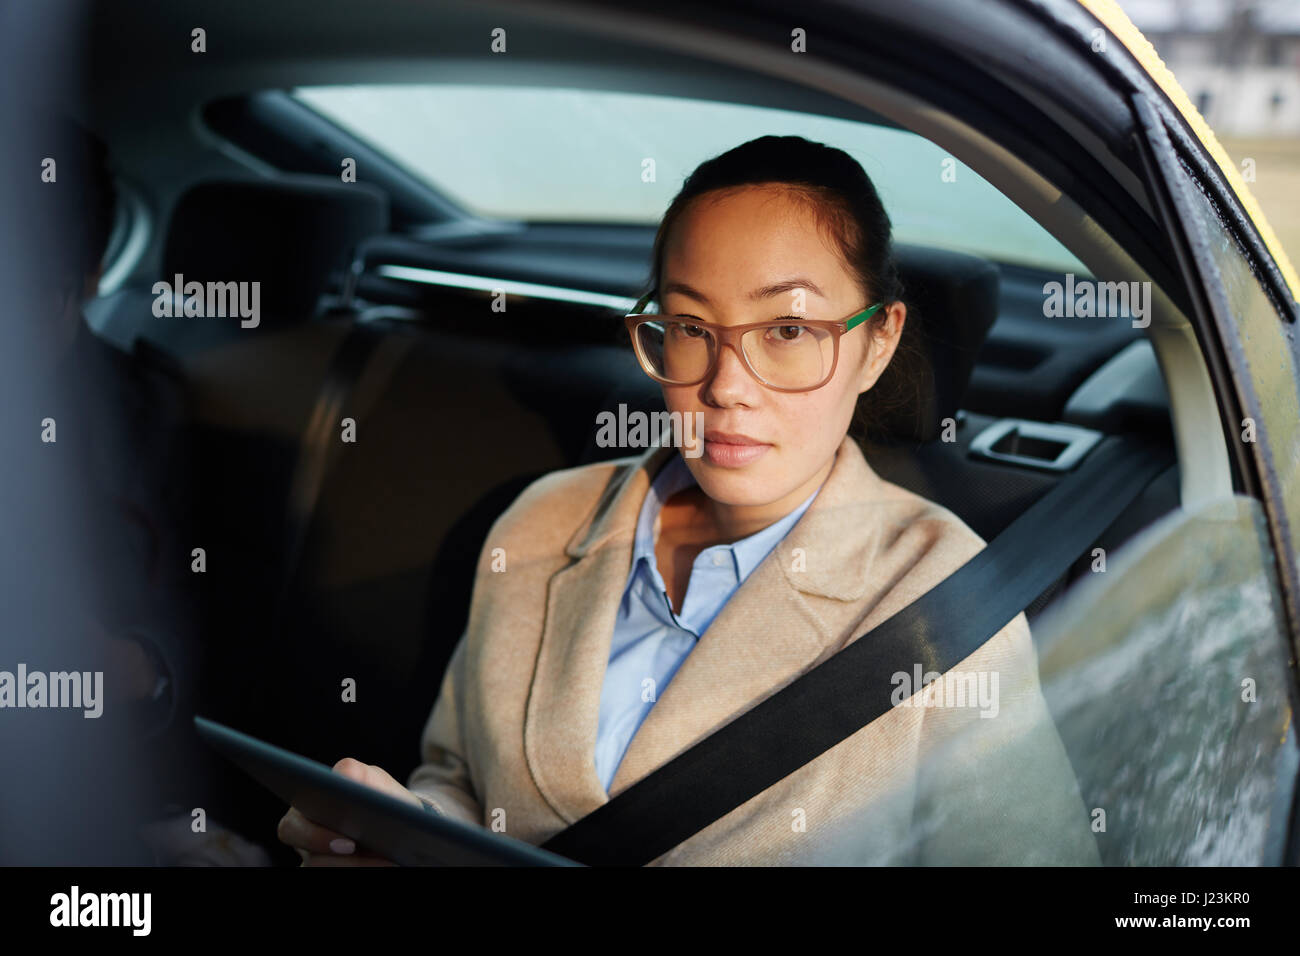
(786, 356)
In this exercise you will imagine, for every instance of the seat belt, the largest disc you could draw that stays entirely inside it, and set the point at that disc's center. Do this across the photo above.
(843, 694)
(352, 357)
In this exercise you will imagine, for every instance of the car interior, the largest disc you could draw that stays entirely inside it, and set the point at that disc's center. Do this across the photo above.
(328, 561)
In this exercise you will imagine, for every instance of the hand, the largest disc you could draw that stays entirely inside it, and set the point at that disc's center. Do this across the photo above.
(320, 846)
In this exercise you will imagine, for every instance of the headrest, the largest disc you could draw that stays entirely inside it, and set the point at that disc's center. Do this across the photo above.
(952, 302)
(288, 233)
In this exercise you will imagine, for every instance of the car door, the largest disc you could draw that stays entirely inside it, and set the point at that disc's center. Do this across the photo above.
(1170, 670)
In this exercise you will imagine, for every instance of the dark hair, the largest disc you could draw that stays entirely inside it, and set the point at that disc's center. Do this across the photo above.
(846, 204)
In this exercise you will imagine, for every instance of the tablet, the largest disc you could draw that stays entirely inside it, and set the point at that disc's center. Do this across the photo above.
(378, 823)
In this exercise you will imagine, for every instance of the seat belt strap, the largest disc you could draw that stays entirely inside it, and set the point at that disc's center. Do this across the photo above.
(843, 694)
(319, 443)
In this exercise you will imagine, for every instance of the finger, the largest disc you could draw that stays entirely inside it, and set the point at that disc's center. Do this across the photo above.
(376, 777)
(298, 831)
(367, 773)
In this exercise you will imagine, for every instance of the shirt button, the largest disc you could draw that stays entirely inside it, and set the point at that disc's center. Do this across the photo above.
(719, 559)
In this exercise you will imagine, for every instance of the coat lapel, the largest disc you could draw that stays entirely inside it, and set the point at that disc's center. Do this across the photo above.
(582, 602)
(789, 613)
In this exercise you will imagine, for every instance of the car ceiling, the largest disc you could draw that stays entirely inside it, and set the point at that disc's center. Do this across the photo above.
(310, 42)
(161, 146)
(300, 43)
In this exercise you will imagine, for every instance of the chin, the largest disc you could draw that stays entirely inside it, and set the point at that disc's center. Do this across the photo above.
(738, 487)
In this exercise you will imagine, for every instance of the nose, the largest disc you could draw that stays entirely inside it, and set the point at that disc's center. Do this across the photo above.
(731, 382)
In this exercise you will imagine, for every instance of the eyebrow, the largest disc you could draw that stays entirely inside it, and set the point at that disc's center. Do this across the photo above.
(766, 292)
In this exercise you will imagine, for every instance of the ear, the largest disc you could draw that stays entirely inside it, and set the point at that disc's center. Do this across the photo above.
(882, 344)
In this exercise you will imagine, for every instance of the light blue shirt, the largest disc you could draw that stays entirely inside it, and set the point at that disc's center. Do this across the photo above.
(650, 641)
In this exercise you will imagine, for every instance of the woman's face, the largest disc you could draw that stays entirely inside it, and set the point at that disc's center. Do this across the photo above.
(750, 255)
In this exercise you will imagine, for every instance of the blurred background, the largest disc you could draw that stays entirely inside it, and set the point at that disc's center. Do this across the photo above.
(1239, 61)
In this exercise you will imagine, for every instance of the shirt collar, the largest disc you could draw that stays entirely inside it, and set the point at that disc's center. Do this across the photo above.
(672, 478)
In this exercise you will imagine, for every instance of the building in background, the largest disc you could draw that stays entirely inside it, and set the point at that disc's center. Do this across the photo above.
(1239, 60)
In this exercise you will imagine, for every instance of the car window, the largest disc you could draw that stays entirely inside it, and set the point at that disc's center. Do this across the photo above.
(1165, 671)
(1166, 666)
(577, 155)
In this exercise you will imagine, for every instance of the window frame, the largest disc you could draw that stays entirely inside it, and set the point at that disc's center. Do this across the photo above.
(1220, 336)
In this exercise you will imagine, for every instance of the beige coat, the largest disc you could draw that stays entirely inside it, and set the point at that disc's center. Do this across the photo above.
(511, 738)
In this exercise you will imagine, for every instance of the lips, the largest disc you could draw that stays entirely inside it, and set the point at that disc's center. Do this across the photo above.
(732, 450)
(728, 438)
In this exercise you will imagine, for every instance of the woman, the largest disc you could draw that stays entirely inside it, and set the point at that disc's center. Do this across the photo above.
(624, 610)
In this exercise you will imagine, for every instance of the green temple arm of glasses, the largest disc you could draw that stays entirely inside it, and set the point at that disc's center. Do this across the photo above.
(849, 324)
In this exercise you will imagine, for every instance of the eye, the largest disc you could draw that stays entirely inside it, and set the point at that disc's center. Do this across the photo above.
(687, 330)
(788, 333)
